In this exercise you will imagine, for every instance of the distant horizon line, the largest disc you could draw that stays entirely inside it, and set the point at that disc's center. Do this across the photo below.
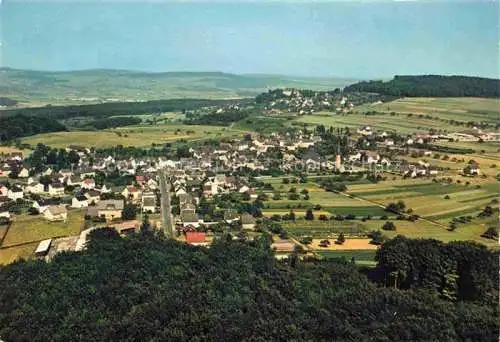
(138, 71)
(262, 74)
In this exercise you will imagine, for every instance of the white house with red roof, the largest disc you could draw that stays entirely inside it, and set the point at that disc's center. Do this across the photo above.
(88, 183)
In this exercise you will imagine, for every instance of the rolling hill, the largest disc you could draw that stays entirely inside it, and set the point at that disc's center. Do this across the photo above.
(36, 88)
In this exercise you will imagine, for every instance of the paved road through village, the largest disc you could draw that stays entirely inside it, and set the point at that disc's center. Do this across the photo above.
(166, 211)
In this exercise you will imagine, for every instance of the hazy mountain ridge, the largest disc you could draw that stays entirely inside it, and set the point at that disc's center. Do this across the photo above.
(103, 85)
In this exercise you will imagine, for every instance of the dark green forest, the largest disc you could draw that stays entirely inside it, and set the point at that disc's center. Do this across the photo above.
(431, 85)
(225, 119)
(116, 108)
(115, 122)
(23, 122)
(145, 287)
(13, 127)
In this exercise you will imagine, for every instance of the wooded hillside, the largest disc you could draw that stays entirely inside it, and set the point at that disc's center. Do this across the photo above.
(431, 85)
(21, 126)
(23, 122)
(144, 288)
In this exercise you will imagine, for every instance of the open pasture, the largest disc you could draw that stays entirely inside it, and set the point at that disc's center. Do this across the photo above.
(489, 165)
(423, 229)
(9, 255)
(379, 122)
(286, 204)
(362, 257)
(27, 229)
(331, 203)
(139, 136)
(489, 147)
(9, 150)
(408, 115)
(298, 212)
(428, 199)
(460, 109)
(332, 199)
(324, 229)
(285, 188)
(360, 211)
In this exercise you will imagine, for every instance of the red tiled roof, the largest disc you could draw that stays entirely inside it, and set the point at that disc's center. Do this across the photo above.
(195, 237)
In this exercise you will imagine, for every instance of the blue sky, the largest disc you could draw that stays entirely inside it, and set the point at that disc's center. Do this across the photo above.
(344, 39)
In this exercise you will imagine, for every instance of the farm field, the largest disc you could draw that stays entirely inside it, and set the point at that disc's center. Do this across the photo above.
(26, 228)
(489, 147)
(428, 199)
(139, 136)
(424, 197)
(158, 116)
(420, 229)
(278, 185)
(489, 165)
(460, 109)
(330, 202)
(363, 257)
(423, 229)
(380, 122)
(298, 212)
(395, 117)
(324, 229)
(8, 150)
(9, 255)
(349, 244)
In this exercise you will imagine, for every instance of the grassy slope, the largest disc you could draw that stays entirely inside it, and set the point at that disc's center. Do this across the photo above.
(8, 255)
(27, 229)
(459, 109)
(140, 136)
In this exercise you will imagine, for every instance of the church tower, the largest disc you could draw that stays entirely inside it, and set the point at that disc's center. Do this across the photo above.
(338, 158)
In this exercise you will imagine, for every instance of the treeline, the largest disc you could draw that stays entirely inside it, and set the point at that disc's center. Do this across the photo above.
(22, 122)
(431, 85)
(333, 141)
(225, 118)
(116, 108)
(114, 122)
(457, 271)
(179, 149)
(58, 159)
(146, 288)
(13, 127)
(448, 149)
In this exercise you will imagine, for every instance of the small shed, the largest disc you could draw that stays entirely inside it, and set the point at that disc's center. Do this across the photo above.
(43, 248)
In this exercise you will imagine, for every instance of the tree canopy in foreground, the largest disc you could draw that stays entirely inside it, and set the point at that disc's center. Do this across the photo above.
(146, 288)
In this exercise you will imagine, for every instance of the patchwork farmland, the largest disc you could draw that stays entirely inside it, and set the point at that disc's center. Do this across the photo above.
(435, 203)
(139, 136)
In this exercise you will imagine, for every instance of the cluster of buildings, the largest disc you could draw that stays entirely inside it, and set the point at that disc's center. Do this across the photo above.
(77, 187)
(51, 192)
(296, 101)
